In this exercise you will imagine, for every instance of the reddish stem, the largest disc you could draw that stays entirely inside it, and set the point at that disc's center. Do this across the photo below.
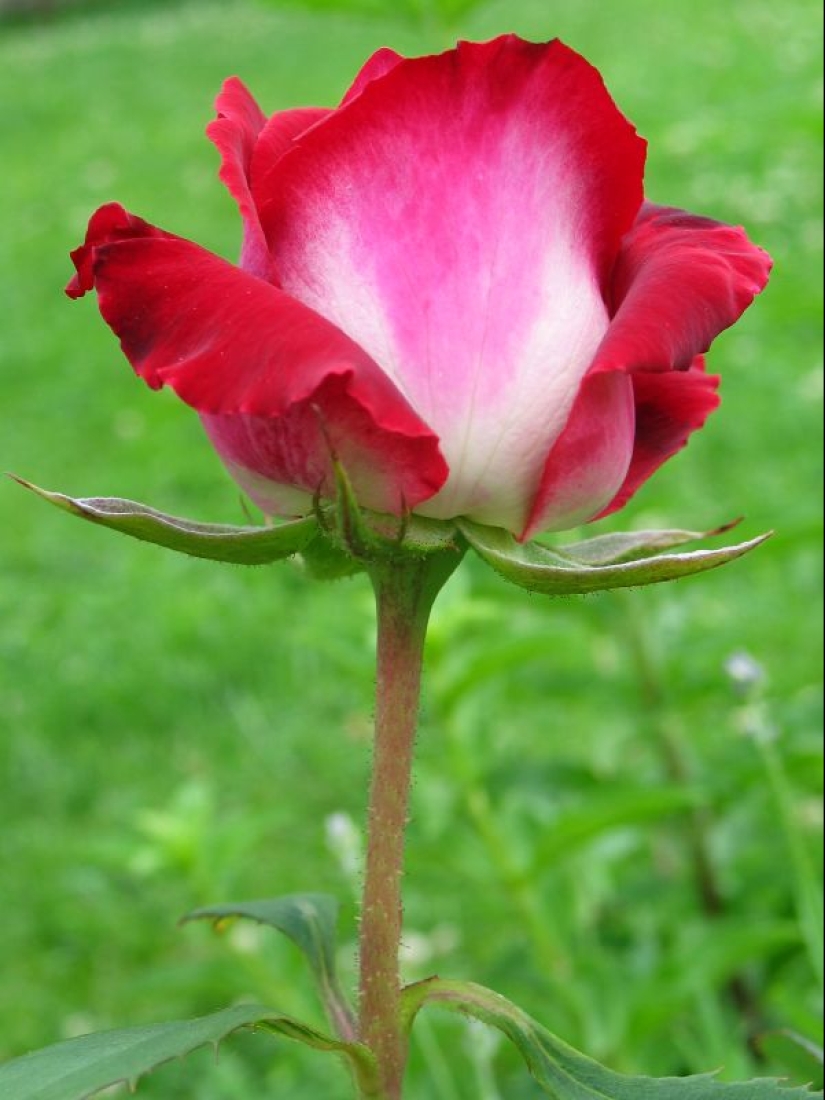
(404, 594)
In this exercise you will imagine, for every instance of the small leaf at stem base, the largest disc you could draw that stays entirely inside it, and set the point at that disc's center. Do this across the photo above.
(565, 1074)
(310, 921)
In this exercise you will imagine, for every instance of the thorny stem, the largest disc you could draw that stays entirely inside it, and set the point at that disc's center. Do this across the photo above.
(404, 593)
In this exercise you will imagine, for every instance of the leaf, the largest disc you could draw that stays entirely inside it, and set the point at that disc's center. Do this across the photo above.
(612, 810)
(219, 542)
(622, 546)
(310, 921)
(532, 566)
(703, 960)
(565, 1074)
(81, 1067)
(796, 1053)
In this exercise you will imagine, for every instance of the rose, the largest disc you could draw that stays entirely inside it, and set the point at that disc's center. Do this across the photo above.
(451, 282)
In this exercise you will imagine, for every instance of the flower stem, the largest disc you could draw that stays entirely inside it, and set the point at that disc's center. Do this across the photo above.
(405, 589)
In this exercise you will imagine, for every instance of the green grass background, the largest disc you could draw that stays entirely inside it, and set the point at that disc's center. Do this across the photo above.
(176, 732)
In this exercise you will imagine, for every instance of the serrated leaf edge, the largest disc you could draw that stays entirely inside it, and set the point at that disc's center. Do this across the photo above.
(253, 1016)
(485, 1004)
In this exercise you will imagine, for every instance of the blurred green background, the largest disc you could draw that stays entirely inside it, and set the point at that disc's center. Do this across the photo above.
(613, 823)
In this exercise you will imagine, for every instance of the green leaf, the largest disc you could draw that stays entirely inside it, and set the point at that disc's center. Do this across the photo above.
(622, 546)
(219, 542)
(532, 566)
(796, 1053)
(82, 1067)
(310, 921)
(565, 1074)
(613, 809)
(702, 961)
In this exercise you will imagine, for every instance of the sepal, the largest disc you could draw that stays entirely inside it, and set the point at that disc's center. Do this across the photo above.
(216, 541)
(371, 537)
(324, 560)
(622, 546)
(585, 567)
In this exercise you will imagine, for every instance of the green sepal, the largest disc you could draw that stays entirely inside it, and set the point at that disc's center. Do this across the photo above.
(565, 1074)
(81, 1067)
(622, 546)
(555, 572)
(371, 537)
(216, 541)
(324, 561)
(310, 921)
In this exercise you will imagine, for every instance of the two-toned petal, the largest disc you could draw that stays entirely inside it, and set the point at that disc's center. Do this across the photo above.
(589, 461)
(459, 217)
(281, 389)
(669, 407)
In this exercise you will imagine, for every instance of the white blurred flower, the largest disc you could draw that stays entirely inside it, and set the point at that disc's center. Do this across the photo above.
(345, 842)
(744, 671)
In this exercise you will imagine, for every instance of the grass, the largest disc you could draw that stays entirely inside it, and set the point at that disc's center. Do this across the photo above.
(177, 733)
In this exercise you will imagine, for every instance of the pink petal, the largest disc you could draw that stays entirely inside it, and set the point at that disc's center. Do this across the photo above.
(669, 407)
(678, 282)
(590, 459)
(279, 387)
(235, 133)
(459, 219)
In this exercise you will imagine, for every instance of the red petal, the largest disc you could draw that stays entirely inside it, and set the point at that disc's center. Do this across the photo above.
(589, 460)
(678, 282)
(376, 66)
(108, 223)
(669, 407)
(233, 346)
(277, 138)
(234, 133)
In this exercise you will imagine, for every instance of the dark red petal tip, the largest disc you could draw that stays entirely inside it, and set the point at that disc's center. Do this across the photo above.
(680, 280)
(108, 224)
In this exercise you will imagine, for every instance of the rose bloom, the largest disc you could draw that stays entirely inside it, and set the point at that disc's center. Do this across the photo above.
(451, 283)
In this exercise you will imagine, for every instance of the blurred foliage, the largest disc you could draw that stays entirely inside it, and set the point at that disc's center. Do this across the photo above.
(428, 13)
(617, 805)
